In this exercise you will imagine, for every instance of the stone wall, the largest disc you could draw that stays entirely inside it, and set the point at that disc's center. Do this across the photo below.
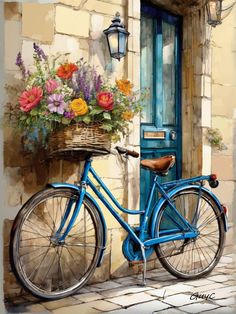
(224, 111)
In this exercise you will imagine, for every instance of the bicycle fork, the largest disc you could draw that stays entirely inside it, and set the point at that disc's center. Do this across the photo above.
(58, 236)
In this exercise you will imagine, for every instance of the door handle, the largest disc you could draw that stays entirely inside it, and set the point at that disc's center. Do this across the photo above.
(173, 135)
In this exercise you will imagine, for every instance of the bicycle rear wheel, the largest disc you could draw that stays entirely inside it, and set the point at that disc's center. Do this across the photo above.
(191, 258)
(47, 268)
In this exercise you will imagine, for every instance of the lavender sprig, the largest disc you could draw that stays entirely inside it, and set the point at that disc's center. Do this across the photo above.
(40, 53)
(20, 64)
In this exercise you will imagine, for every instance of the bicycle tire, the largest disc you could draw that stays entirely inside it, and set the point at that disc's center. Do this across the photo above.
(47, 269)
(192, 258)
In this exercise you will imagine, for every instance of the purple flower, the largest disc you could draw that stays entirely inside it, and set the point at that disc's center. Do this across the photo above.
(98, 83)
(20, 64)
(69, 114)
(56, 103)
(40, 53)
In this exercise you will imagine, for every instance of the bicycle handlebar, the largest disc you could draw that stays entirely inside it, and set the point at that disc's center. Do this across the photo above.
(122, 150)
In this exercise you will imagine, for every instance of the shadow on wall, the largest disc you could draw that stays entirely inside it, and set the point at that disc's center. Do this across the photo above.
(26, 173)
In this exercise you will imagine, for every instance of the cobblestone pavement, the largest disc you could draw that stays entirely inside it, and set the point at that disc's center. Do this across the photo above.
(163, 294)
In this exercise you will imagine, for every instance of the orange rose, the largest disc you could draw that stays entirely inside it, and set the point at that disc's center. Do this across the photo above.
(105, 100)
(66, 70)
(128, 115)
(125, 86)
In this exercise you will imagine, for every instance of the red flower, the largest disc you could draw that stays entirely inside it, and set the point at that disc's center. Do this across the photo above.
(66, 70)
(30, 98)
(105, 100)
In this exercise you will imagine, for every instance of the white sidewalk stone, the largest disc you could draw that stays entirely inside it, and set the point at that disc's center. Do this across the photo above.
(76, 309)
(198, 307)
(181, 299)
(131, 299)
(103, 306)
(124, 290)
(144, 308)
(88, 297)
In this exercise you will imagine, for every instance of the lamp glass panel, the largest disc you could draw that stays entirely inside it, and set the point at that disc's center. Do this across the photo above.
(122, 43)
(213, 9)
(113, 42)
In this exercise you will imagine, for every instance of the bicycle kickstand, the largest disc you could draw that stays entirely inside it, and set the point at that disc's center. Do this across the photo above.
(144, 266)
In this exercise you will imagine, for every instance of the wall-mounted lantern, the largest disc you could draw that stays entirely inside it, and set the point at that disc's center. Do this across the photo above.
(214, 10)
(117, 36)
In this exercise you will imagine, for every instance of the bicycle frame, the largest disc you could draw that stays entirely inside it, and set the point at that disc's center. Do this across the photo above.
(188, 231)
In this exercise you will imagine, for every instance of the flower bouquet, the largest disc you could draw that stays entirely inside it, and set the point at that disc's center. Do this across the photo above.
(69, 98)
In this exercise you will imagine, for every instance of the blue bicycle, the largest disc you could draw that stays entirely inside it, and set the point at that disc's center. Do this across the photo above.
(59, 236)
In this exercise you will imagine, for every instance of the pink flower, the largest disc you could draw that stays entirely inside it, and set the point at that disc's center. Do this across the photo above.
(51, 85)
(30, 98)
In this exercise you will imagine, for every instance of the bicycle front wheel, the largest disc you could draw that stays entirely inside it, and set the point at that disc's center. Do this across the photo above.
(47, 268)
(191, 258)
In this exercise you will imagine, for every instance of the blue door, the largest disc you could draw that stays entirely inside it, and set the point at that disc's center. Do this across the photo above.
(160, 41)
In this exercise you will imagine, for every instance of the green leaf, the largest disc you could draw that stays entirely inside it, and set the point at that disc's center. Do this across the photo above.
(34, 112)
(87, 119)
(65, 121)
(107, 127)
(96, 111)
(107, 115)
(23, 118)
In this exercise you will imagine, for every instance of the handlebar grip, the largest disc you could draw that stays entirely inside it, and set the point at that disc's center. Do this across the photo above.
(132, 153)
(122, 150)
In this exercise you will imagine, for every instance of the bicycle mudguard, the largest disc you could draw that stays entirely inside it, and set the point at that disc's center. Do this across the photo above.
(175, 190)
(77, 189)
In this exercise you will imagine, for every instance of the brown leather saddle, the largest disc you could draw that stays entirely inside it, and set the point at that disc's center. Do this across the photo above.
(161, 165)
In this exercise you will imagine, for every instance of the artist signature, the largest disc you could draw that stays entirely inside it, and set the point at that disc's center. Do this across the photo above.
(198, 295)
(194, 296)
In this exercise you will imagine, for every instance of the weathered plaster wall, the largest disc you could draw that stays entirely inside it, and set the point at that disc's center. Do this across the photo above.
(196, 93)
(224, 111)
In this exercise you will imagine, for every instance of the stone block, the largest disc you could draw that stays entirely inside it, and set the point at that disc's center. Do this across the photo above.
(206, 112)
(104, 7)
(11, 11)
(97, 26)
(74, 3)
(206, 86)
(66, 44)
(12, 44)
(134, 8)
(226, 127)
(223, 103)
(38, 21)
(206, 159)
(72, 22)
(109, 167)
(134, 37)
(224, 167)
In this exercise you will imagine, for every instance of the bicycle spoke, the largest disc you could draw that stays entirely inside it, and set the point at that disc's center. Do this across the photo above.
(46, 267)
(192, 257)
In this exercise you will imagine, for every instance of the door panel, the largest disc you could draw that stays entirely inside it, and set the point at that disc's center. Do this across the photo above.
(160, 72)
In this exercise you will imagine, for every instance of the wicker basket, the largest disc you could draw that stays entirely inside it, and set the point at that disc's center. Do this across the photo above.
(77, 142)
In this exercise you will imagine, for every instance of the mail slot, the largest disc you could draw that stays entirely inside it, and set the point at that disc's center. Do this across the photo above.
(158, 135)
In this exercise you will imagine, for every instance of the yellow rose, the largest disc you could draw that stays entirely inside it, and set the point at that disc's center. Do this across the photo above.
(79, 107)
(128, 115)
